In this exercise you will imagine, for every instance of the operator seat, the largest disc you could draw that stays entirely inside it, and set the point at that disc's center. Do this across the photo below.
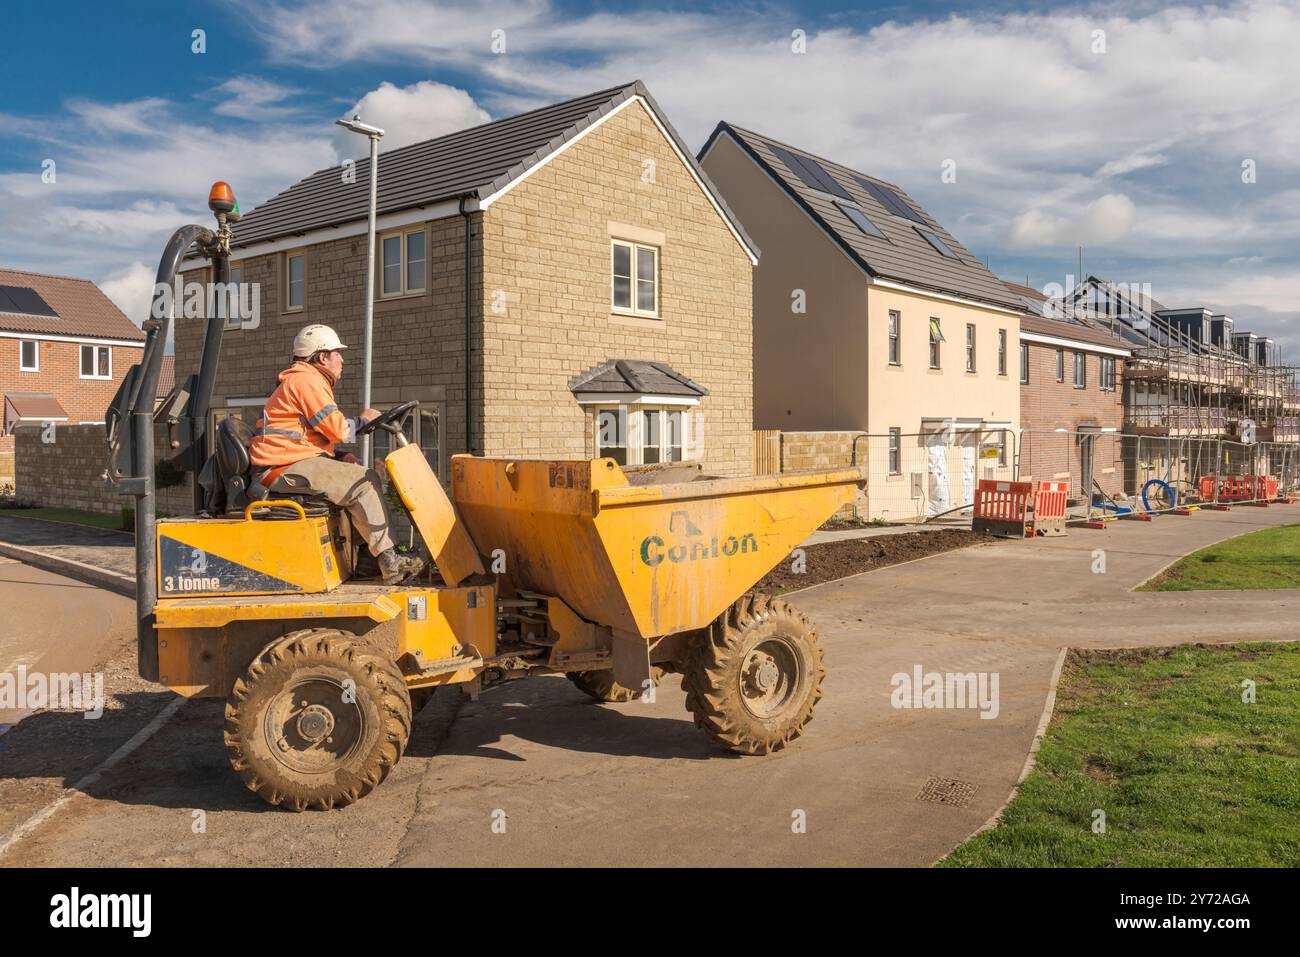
(234, 472)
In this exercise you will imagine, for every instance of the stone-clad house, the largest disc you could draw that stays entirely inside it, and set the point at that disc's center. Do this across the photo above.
(562, 283)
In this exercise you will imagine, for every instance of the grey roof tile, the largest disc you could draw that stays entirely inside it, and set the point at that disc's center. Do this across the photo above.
(474, 162)
(635, 377)
(902, 254)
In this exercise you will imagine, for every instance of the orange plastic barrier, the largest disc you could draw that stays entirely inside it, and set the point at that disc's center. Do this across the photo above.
(1237, 488)
(1050, 500)
(1002, 508)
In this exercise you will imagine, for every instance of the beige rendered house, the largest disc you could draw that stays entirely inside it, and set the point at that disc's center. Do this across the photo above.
(563, 283)
(870, 317)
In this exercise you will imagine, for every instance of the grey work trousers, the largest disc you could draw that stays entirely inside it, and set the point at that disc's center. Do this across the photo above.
(352, 486)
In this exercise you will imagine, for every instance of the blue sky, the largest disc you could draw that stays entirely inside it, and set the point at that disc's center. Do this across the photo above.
(1121, 127)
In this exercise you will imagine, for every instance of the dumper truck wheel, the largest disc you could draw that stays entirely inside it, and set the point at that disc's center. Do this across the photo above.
(318, 720)
(753, 680)
(602, 686)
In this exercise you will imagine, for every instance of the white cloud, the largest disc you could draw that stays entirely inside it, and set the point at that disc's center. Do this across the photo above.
(253, 98)
(131, 290)
(408, 115)
(1104, 220)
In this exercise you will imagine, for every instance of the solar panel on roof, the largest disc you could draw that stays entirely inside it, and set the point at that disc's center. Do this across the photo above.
(889, 199)
(932, 238)
(859, 219)
(811, 172)
(25, 302)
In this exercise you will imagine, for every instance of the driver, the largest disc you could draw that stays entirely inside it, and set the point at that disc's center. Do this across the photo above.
(293, 447)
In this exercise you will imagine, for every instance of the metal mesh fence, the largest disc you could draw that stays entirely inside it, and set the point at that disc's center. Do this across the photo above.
(930, 475)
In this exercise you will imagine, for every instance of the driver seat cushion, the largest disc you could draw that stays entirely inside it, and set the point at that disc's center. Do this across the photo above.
(235, 470)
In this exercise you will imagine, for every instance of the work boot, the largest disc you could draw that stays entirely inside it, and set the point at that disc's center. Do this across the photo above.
(397, 567)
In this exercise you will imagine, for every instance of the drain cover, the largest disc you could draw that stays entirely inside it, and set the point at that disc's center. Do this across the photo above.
(947, 791)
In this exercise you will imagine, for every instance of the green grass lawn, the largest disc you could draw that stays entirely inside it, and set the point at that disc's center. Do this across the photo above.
(1188, 775)
(70, 515)
(1265, 559)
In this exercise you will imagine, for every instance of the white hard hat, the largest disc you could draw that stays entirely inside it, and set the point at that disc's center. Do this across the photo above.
(315, 338)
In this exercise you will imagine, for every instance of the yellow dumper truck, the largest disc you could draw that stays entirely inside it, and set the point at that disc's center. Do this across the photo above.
(539, 568)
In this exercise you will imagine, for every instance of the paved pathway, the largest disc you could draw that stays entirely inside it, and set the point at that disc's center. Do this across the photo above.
(580, 783)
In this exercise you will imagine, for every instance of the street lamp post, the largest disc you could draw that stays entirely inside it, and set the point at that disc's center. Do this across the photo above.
(373, 133)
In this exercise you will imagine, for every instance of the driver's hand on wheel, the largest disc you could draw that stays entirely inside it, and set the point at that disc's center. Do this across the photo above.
(369, 415)
(349, 458)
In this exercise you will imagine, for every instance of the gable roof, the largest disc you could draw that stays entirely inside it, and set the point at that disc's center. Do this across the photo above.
(1046, 317)
(635, 377)
(901, 253)
(476, 163)
(81, 309)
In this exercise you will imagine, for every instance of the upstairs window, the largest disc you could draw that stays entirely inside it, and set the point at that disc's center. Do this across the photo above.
(29, 356)
(1024, 363)
(635, 280)
(1002, 352)
(1080, 370)
(895, 352)
(402, 264)
(936, 337)
(96, 362)
(970, 347)
(1107, 375)
(295, 281)
(1060, 365)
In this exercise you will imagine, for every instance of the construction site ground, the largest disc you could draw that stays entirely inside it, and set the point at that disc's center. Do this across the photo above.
(534, 773)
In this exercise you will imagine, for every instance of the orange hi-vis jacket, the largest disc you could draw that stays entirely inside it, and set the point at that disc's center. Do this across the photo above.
(299, 421)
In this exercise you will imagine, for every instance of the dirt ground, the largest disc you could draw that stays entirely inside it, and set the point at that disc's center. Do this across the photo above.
(831, 560)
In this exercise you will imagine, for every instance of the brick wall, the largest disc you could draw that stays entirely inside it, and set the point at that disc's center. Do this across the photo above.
(60, 374)
(67, 472)
(547, 247)
(548, 251)
(1047, 405)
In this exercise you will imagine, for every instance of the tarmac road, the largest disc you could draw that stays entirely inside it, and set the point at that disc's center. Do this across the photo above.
(533, 773)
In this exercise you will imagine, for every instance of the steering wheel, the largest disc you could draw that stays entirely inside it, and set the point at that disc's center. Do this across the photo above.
(391, 420)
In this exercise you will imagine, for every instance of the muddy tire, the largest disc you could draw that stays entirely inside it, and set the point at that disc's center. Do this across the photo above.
(755, 676)
(602, 686)
(301, 736)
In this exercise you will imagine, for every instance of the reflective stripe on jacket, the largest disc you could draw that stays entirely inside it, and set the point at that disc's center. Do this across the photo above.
(299, 421)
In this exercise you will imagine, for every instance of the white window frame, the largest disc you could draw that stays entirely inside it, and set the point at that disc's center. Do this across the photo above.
(634, 249)
(936, 342)
(895, 330)
(1106, 374)
(895, 463)
(970, 347)
(1080, 370)
(634, 428)
(289, 257)
(36, 347)
(403, 262)
(1002, 352)
(1060, 365)
(95, 352)
(1024, 363)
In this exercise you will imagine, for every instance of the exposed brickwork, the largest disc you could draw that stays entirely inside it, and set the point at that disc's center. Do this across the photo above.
(66, 472)
(60, 374)
(1047, 405)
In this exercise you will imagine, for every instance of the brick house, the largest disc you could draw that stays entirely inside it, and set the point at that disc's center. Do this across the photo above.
(64, 349)
(1071, 385)
(870, 317)
(572, 263)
